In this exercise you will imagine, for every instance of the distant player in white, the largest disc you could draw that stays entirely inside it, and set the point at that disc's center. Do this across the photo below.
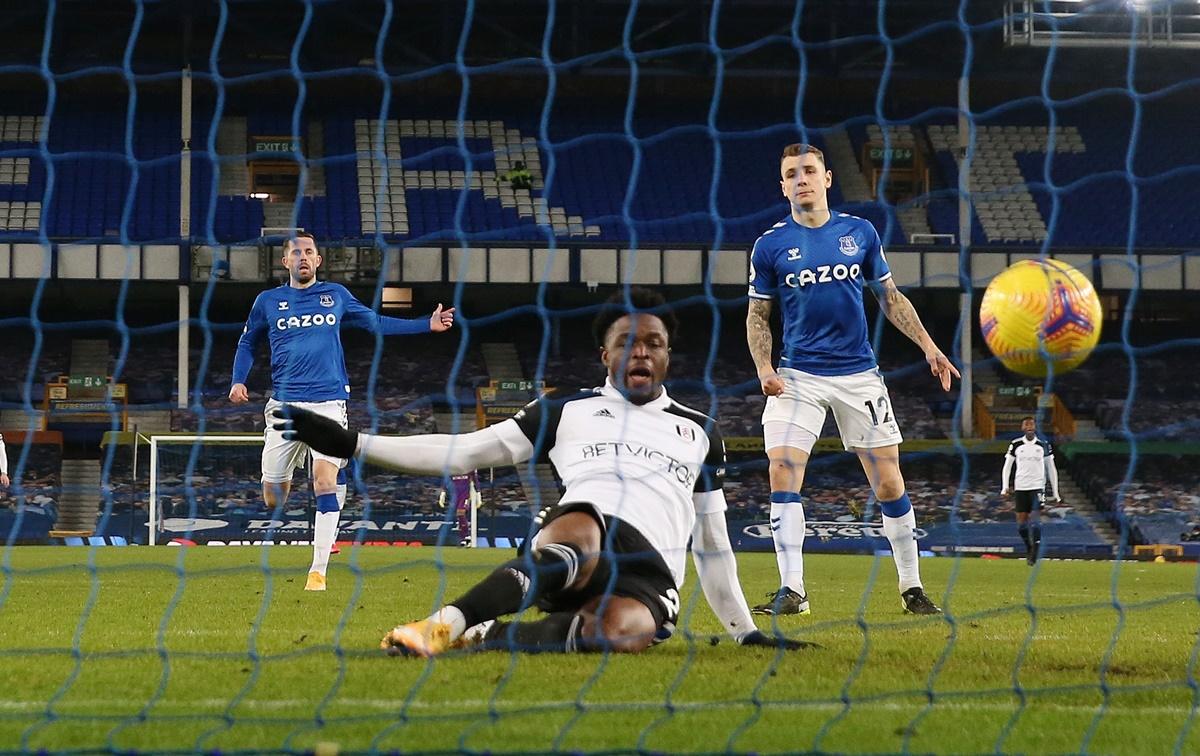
(643, 475)
(4, 481)
(1028, 464)
(816, 263)
(302, 320)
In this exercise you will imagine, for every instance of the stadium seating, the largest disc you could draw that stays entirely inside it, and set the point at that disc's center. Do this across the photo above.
(1161, 501)
(35, 491)
(403, 178)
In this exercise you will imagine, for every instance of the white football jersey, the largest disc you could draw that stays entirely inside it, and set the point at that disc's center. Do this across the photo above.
(1029, 460)
(640, 463)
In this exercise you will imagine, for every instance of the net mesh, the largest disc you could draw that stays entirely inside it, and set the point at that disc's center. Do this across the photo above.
(220, 650)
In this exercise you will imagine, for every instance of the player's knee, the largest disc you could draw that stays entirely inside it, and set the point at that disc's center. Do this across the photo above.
(785, 475)
(563, 564)
(274, 493)
(626, 630)
(890, 486)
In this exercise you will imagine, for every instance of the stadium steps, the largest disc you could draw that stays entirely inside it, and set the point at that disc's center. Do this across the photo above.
(20, 419)
(148, 421)
(502, 362)
(984, 374)
(231, 142)
(844, 164)
(541, 487)
(78, 502)
(90, 357)
(1087, 430)
(1074, 496)
(315, 152)
(913, 219)
(445, 422)
(278, 214)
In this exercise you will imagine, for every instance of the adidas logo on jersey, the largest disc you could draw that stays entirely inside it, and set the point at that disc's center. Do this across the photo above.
(603, 413)
(822, 274)
(306, 321)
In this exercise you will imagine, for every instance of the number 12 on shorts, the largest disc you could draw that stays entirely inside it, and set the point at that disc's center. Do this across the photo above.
(882, 402)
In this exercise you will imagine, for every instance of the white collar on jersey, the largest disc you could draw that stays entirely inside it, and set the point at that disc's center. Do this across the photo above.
(662, 402)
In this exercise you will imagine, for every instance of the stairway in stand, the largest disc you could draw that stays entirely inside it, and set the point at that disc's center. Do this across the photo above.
(80, 498)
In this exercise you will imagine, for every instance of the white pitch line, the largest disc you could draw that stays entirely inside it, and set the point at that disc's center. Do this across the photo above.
(475, 704)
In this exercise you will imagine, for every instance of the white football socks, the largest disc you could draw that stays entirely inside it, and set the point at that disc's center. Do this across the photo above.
(452, 616)
(325, 527)
(787, 530)
(901, 534)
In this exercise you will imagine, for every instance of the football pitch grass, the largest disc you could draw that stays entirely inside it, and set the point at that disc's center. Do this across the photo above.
(220, 649)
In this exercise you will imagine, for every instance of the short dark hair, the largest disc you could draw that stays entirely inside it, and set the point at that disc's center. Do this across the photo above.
(299, 235)
(800, 148)
(642, 300)
(1028, 417)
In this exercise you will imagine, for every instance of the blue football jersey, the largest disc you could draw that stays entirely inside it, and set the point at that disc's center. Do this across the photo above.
(303, 327)
(817, 274)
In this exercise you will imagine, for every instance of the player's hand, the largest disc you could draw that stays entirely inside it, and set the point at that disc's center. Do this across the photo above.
(238, 394)
(441, 320)
(1006, 494)
(941, 368)
(759, 638)
(4, 481)
(772, 383)
(1057, 499)
(320, 433)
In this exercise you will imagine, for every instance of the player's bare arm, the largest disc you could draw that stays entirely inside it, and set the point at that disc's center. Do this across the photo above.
(758, 337)
(903, 315)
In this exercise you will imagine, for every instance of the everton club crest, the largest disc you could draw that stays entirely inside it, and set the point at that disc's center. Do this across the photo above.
(847, 245)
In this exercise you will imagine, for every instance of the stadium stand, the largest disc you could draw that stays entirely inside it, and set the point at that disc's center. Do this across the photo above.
(406, 180)
(32, 501)
(1161, 501)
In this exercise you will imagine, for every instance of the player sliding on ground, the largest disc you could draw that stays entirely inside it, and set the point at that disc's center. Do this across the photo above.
(303, 320)
(816, 263)
(642, 475)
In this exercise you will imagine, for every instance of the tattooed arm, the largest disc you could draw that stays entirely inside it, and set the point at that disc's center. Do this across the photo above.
(758, 337)
(904, 316)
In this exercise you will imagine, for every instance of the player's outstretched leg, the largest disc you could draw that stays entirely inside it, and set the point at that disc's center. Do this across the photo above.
(513, 586)
(623, 625)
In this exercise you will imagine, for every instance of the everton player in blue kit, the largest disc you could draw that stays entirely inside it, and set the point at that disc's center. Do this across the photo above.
(816, 263)
(302, 321)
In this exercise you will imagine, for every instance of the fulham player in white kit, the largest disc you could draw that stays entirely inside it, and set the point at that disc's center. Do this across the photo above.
(815, 263)
(302, 320)
(1028, 466)
(643, 475)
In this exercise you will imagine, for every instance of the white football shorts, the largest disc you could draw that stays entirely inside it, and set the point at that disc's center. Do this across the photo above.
(860, 405)
(280, 456)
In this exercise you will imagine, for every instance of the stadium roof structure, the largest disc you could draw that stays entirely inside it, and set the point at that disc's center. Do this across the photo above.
(677, 39)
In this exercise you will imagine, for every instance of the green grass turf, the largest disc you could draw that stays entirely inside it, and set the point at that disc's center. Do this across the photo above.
(220, 648)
